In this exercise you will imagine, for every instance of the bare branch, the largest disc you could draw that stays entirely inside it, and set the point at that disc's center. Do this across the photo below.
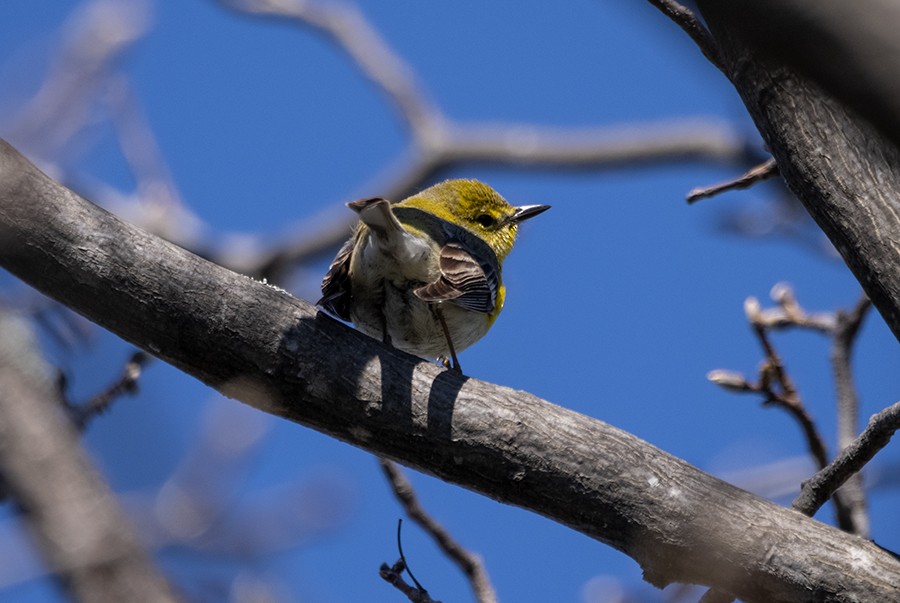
(348, 29)
(394, 576)
(776, 384)
(126, 384)
(469, 563)
(797, 120)
(847, 325)
(757, 174)
(821, 486)
(787, 397)
(69, 509)
(843, 328)
(687, 20)
(97, 36)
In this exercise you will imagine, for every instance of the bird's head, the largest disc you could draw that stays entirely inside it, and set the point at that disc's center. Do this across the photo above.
(479, 209)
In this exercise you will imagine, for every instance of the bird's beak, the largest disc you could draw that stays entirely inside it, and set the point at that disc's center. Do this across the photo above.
(523, 212)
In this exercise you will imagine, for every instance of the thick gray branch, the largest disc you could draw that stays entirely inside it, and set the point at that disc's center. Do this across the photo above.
(262, 346)
(843, 170)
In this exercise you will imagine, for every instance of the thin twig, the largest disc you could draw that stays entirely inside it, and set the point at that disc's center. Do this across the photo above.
(843, 328)
(779, 388)
(789, 313)
(688, 21)
(757, 174)
(469, 563)
(125, 384)
(403, 558)
(816, 491)
(789, 398)
(393, 575)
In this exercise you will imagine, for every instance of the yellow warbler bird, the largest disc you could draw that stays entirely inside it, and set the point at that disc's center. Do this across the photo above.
(424, 275)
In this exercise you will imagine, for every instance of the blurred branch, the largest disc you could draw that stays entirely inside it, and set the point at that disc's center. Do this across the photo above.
(849, 49)
(126, 384)
(469, 563)
(156, 204)
(96, 38)
(200, 511)
(350, 32)
(68, 507)
(847, 325)
(440, 144)
(200, 507)
(277, 353)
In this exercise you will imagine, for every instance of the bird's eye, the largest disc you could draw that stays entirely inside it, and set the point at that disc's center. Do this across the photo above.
(486, 220)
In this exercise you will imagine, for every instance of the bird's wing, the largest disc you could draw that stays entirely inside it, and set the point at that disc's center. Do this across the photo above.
(464, 280)
(336, 292)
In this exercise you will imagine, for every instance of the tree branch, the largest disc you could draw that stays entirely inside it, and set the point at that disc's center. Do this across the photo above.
(847, 325)
(258, 344)
(82, 414)
(393, 575)
(78, 526)
(469, 563)
(852, 459)
(687, 20)
(756, 174)
(841, 168)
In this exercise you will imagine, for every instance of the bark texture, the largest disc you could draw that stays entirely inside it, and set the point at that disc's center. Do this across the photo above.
(843, 169)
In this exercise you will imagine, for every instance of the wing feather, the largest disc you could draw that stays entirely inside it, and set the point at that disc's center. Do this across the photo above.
(336, 290)
(464, 280)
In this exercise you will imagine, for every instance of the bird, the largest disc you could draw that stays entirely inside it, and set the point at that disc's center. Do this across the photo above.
(425, 275)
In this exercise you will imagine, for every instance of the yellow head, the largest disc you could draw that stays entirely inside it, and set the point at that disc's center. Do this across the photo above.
(478, 208)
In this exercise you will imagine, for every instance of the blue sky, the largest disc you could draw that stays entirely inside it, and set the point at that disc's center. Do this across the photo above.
(621, 298)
